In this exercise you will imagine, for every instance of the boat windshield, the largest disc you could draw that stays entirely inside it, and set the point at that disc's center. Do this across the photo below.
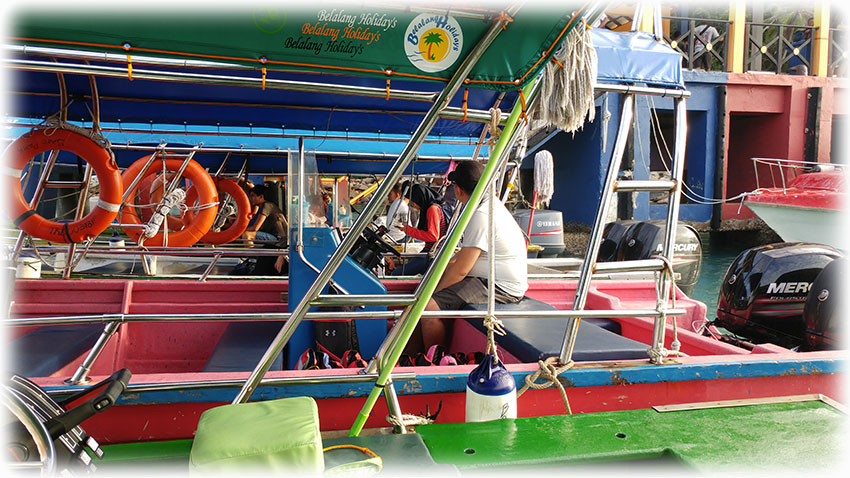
(304, 194)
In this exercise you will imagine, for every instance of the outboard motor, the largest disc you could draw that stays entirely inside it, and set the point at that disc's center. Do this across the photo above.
(765, 288)
(820, 312)
(611, 238)
(547, 229)
(646, 239)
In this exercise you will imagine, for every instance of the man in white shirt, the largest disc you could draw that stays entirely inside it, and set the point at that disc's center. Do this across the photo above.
(706, 35)
(465, 279)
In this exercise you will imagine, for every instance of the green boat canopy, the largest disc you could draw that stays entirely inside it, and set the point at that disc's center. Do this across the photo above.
(385, 42)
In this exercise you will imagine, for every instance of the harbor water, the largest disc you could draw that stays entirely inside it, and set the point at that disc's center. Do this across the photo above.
(716, 259)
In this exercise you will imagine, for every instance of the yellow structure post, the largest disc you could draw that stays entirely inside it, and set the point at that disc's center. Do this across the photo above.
(737, 36)
(646, 18)
(820, 47)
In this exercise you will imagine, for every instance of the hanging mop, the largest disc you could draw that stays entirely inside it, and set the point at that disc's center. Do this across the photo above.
(567, 101)
(544, 186)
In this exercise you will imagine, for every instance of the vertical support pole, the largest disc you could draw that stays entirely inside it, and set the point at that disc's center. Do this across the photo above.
(646, 22)
(677, 170)
(813, 116)
(595, 239)
(720, 159)
(36, 197)
(81, 375)
(81, 204)
(737, 36)
(394, 407)
(820, 49)
(757, 35)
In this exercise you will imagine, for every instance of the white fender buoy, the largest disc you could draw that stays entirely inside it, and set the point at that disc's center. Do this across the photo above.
(490, 392)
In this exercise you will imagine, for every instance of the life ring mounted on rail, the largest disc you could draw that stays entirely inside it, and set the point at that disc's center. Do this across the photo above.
(149, 191)
(243, 212)
(40, 140)
(201, 222)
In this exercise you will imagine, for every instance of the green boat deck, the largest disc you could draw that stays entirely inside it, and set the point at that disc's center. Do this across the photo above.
(794, 433)
(802, 435)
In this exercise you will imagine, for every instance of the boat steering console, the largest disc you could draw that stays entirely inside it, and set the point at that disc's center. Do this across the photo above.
(370, 246)
(46, 435)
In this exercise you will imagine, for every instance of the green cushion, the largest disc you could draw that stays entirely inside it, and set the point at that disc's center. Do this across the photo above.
(276, 434)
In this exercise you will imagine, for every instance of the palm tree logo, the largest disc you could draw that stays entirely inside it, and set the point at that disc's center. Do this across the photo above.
(269, 20)
(433, 38)
(433, 43)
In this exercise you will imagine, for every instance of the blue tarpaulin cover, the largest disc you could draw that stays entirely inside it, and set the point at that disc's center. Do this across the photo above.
(636, 57)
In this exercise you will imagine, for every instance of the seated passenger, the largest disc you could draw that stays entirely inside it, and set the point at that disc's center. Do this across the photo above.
(269, 224)
(431, 226)
(398, 217)
(398, 214)
(465, 278)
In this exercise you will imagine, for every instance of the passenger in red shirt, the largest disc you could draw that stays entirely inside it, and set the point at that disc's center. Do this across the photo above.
(433, 224)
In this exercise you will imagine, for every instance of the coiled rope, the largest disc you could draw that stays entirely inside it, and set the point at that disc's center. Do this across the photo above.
(408, 419)
(175, 198)
(54, 122)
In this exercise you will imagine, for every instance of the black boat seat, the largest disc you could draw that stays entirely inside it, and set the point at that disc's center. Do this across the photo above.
(527, 303)
(536, 338)
(45, 351)
(242, 346)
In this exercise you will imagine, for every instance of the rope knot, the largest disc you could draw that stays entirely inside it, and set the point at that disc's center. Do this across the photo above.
(495, 132)
(494, 324)
(549, 371)
(504, 19)
(656, 354)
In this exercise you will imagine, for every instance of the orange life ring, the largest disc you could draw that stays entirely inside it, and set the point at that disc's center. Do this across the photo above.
(150, 191)
(243, 212)
(19, 153)
(201, 222)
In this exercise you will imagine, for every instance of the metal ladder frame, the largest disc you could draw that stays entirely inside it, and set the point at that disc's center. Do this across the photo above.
(660, 264)
(673, 187)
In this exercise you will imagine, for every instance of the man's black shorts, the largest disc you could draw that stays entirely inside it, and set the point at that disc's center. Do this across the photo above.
(470, 290)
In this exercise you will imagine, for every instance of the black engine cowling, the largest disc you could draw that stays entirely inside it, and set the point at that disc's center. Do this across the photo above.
(822, 307)
(611, 238)
(765, 288)
(636, 240)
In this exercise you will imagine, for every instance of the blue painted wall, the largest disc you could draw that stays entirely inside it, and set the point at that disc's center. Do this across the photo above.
(702, 149)
(579, 173)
